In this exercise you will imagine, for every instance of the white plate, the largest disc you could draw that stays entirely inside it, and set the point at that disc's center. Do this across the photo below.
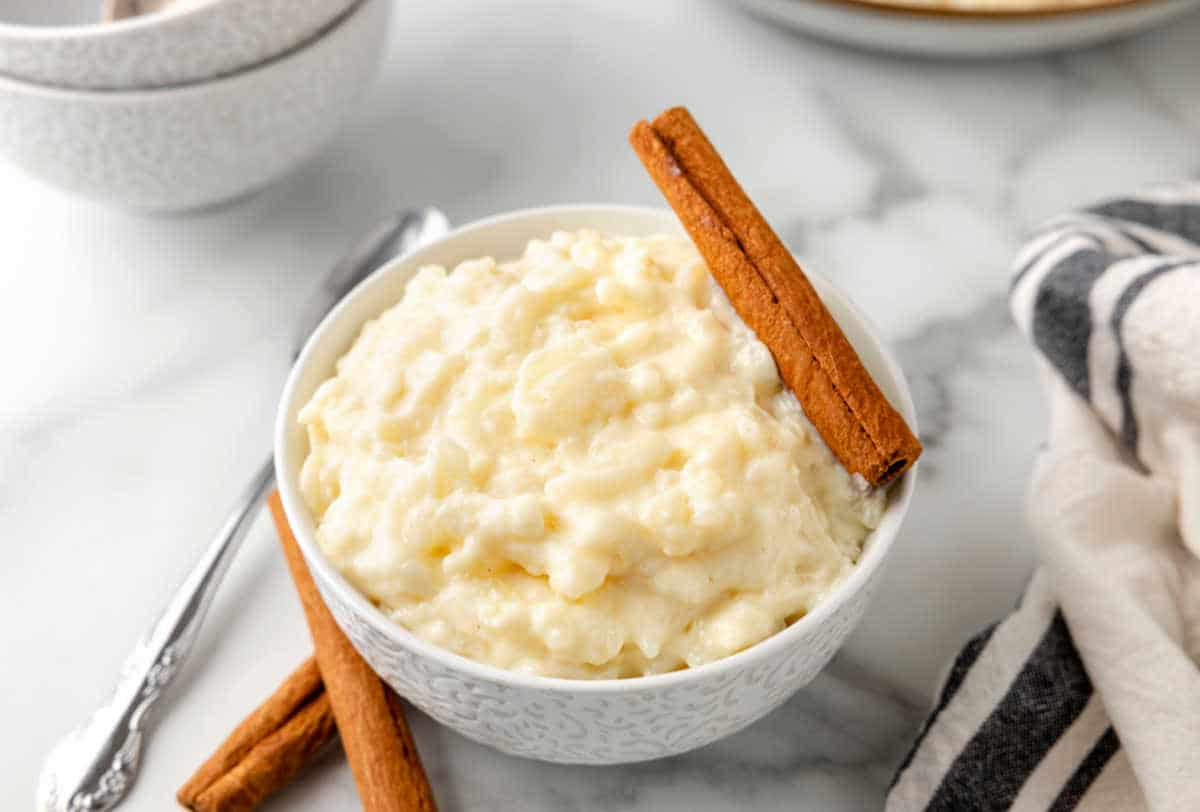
(937, 32)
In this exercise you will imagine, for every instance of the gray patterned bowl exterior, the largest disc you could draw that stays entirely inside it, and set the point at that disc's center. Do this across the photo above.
(574, 721)
(574, 727)
(190, 147)
(212, 39)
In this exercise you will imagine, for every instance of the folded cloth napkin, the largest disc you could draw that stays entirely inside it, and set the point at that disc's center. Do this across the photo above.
(1088, 695)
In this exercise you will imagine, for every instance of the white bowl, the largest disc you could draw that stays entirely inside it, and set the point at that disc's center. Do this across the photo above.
(574, 721)
(201, 41)
(940, 29)
(193, 146)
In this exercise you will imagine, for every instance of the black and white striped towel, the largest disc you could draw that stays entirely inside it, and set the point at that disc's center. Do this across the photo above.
(1088, 695)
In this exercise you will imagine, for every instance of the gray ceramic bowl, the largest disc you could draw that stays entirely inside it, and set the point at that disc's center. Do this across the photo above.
(202, 40)
(197, 145)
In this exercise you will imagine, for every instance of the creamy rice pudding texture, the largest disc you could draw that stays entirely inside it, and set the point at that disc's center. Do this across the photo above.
(580, 464)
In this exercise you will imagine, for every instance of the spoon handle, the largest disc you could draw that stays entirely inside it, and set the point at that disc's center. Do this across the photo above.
(94, 765)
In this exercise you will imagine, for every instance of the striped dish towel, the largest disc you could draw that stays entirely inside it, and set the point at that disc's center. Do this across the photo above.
(1088, 696)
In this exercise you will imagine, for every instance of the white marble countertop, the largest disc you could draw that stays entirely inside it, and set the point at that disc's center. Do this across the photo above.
(142, 356)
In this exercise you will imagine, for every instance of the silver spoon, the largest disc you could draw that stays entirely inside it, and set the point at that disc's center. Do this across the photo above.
(93, 766)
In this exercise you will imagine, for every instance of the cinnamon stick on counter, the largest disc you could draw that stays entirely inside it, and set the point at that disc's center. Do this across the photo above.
(773, 296)
(269, 747)
(379, 746)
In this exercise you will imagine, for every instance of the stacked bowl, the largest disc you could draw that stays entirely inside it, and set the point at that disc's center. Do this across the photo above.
(182, 108)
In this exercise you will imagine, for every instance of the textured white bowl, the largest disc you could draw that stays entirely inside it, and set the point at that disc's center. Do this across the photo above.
(199, 42)
(574, 721)
(193, 146)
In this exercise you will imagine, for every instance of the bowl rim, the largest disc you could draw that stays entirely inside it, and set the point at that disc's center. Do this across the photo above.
(908, 8)
(331, 32)
(99, 31)
(875, 551)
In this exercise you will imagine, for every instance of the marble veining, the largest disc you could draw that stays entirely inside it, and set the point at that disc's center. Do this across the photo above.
(143, 356)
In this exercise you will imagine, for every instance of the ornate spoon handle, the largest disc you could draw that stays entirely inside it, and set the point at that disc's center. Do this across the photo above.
(94, 765)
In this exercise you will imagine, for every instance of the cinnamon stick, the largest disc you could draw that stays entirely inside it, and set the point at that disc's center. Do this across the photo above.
(270, 746)
(770, 292)
(375, 735)
(113, 10)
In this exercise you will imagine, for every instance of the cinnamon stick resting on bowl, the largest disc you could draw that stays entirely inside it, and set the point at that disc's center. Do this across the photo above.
(773, 296)
(288, 731)
(370, 717)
